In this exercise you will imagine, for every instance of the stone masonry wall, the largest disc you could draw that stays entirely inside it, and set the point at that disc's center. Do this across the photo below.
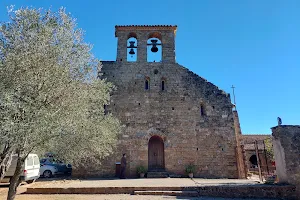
(241, 165)
(174, 114)
(286, 143)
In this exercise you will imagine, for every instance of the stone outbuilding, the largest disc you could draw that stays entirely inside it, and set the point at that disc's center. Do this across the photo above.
(171, 116)
(266, 164)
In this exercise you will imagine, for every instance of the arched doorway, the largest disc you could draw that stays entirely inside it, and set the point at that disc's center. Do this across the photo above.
(253, 161)
(156, 157)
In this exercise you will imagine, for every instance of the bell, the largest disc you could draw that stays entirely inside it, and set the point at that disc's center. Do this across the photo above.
(131, 44)
(131, 52)
(154, 48)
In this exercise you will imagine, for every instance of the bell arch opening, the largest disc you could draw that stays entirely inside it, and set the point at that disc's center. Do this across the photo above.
(154, 47)
(156, 157)
(253, 161)
(132, 47)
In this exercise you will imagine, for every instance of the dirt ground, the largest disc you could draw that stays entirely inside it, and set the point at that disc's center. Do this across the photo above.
(111, 197)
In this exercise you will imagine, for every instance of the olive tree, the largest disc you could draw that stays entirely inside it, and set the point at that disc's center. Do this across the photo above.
(6, 147)
(50, 94)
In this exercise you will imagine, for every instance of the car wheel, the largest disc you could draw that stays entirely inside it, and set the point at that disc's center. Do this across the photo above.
(30, 181)
(47, 174)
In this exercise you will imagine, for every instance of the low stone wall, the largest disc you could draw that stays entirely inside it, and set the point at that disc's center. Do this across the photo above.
(251, 191)
(264, 191)
(286, 144)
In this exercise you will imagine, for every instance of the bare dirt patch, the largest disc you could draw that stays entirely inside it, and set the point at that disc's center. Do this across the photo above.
(114, 197)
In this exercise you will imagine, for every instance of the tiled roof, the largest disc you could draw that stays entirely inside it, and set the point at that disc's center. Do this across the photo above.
(248, 141)
(251, 138)
(252, 147)
(145, 28)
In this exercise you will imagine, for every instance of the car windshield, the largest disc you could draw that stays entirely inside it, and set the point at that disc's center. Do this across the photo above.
(51, 161)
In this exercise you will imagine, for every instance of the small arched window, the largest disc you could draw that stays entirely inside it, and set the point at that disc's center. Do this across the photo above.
(147, 83)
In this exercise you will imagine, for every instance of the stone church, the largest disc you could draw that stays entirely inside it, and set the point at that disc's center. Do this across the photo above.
(171, 116)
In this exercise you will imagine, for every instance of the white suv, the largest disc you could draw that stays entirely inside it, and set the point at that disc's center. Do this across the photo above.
(47, 171)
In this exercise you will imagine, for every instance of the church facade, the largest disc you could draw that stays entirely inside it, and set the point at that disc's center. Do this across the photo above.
(171, 117)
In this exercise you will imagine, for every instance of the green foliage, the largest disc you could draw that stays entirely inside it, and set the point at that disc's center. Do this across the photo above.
(269, 149)
(190, 168)
(50, 96)
(141, 170)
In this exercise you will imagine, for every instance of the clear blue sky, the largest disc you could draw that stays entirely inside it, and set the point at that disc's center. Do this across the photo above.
(252, 44)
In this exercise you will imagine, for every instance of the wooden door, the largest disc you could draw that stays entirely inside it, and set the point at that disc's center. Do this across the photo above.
(156, 160)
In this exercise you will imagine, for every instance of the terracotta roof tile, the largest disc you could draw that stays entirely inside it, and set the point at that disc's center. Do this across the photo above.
(252, 147)
(145, 28)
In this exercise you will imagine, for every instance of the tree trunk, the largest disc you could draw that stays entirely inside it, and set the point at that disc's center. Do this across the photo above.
(15, 180)
(5, 163)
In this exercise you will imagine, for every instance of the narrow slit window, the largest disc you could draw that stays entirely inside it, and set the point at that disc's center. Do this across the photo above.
(162, 85)
(202, 111)
(147, 84)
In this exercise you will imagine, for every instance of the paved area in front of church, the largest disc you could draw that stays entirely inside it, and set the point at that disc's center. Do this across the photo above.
(144, 182)
(166, 182)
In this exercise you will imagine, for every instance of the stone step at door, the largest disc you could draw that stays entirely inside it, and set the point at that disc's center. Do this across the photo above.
(157, 175)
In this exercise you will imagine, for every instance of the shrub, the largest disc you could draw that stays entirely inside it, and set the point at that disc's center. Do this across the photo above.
(190, 169)
(141, 170)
